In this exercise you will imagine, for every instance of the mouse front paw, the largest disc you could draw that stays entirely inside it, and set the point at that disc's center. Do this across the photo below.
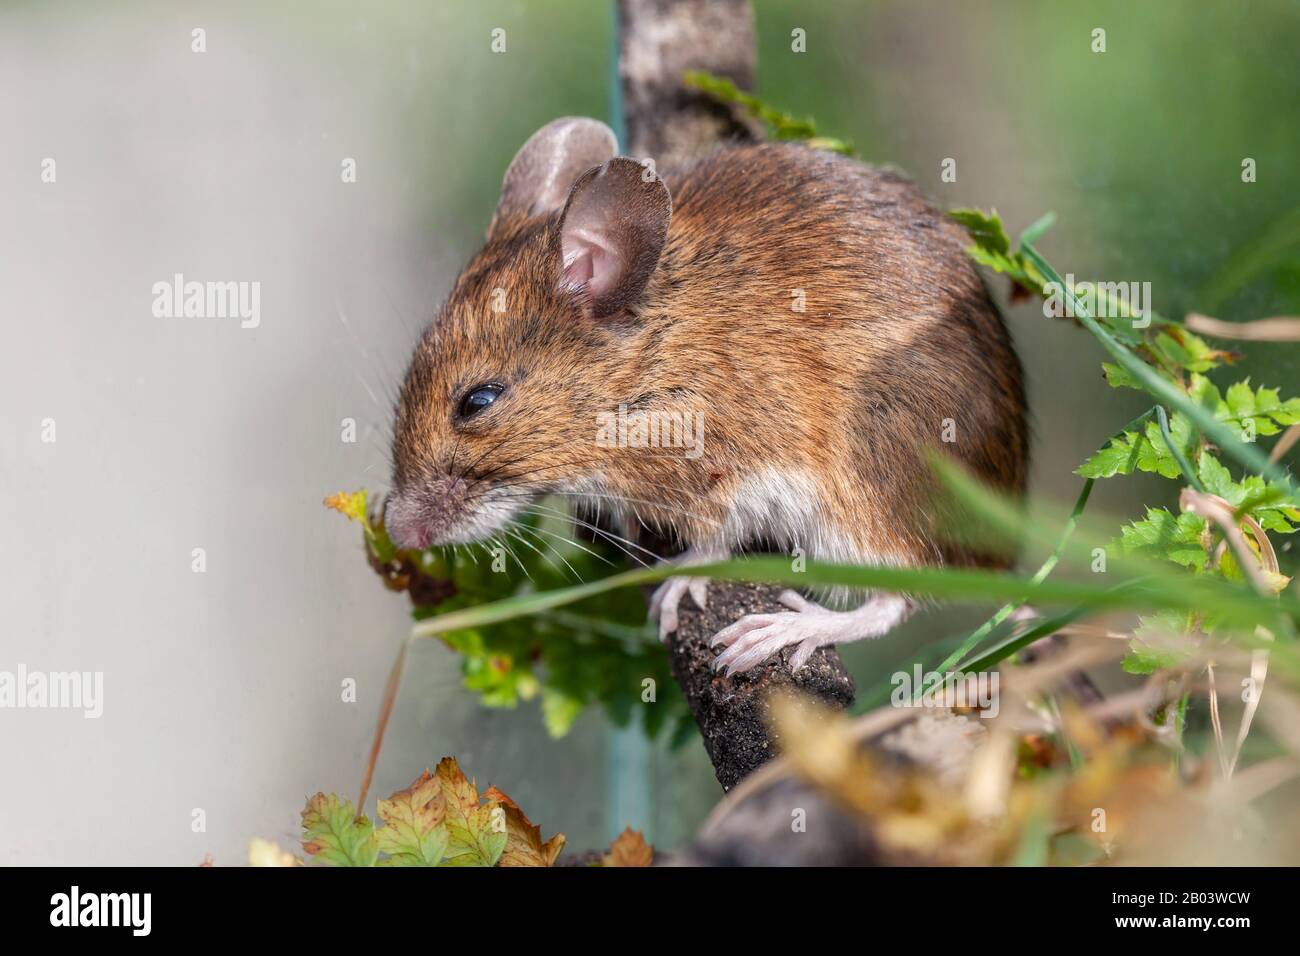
(668, 596)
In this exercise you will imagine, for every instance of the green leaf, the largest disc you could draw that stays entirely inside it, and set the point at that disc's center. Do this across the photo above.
(986, 229)
(1116, 377)
(992, 247)
(1182, 349)
(1142, 659)
(476, 833)
(413, 832)
(1118, 457)
(1280, 520)
(560, 710)
(780, 125)
(1287, 413)
(1240, 398)
(1155, 641)
(1217, 480)
(1156, 455)
(475, 837)
(1267, 504)
(1206, 396)
(1251, 412)
(1162, 536)
(1146, 451)
(1166, 391)
(334, 834)
(507, 662)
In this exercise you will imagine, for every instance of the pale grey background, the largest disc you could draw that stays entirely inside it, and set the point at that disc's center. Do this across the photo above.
(223, 688)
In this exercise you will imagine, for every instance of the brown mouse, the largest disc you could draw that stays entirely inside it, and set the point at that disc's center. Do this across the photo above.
(763, 345)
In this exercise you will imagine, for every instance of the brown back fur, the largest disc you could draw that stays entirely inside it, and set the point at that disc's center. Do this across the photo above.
(822, 416)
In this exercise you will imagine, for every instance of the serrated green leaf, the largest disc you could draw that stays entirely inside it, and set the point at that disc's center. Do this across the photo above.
(1147, 452)
(1267, 504)
(1218, 481)
(985, 228)
(1147, 660)
(505, 663)
(1161, 535)
(334, 834)
(1278, 520)
(1240, 398)
(1252, 412)
(1154, 643)
(476, 837)
(476, 833)
(1287, 413)
(992, 247)
(1118, 457)
(413, 831)
(1118, 377)
(1206, 394)
(1178, 347)
(1155, 455)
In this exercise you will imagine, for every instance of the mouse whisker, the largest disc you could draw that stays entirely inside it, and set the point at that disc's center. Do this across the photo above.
(500, 543)
(600, 532)
(542, 555)
(524, 456)
(595, 529)
(455, 452)
(569, 463)
(560, 537)
(491, 450)
(661, 505)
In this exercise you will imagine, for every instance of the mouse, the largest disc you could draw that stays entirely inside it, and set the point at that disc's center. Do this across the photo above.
(763, 345)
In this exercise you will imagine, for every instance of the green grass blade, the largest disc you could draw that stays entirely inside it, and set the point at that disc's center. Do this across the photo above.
(983, 631)
(1237, 602)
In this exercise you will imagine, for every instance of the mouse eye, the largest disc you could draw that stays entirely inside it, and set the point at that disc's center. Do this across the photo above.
(477, 399)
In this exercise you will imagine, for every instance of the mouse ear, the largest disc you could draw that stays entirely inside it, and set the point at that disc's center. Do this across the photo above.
(541, 173)
(611, 233)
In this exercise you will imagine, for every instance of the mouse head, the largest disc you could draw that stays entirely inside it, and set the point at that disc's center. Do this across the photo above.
(537, 339)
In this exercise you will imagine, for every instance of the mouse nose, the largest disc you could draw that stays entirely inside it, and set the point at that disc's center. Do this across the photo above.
(421, 517)
(404, 528)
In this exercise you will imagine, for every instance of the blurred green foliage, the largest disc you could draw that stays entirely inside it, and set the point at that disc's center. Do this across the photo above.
(596, 652)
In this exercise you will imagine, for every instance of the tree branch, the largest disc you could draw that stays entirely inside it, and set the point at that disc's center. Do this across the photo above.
(659, 40)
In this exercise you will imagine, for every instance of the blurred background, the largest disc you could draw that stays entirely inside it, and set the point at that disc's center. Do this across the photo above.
(222, 689)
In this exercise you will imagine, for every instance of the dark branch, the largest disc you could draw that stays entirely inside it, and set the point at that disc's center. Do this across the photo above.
(731, 711)
(659, 40)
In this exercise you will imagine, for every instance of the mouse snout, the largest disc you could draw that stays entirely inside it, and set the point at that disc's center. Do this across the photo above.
(428, 514)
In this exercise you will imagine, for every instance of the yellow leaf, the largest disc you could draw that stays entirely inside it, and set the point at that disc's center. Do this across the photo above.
(350, 505)
(412, 833)
(477, 833)
(524, 846)
(459, 792)
(268, 853)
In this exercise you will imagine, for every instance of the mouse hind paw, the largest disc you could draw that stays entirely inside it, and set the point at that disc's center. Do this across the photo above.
(756, 637)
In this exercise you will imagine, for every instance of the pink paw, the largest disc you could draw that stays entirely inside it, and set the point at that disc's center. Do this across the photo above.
(664, 602)
(756, 637)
